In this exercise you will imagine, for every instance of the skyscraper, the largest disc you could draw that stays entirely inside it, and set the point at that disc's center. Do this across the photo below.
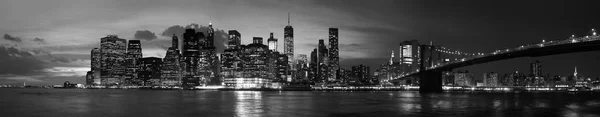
(491, 79)
(112, 66)
(134, 53)
(150, 71)
(189, 61)
(209, 62)
(257, 40)
(320, 60)
(96, 56)
(288, 46)
(302, 69)
(334, 58)
(210, 38)
(272, 42)
(171, 69)
(175, 42)
(234, 39)
(361, 73)
(536, 69)
(409, 55)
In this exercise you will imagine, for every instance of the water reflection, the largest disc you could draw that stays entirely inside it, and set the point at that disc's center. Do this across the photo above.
(27, 102)
(248, 103)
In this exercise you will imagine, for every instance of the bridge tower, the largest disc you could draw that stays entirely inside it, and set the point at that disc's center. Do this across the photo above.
(429, 81)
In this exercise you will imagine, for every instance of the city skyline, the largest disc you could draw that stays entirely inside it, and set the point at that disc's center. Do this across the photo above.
(60, 53)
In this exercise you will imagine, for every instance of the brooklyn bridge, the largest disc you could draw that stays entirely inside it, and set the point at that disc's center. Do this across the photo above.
(434, 60)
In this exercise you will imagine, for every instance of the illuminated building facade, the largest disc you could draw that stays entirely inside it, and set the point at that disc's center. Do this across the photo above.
(189, 59)
(272, 42)
(463, 79)
(134, 53)
(150, 71)
(96, 60)
(491, 79)
(334, 54)
(409, 55)
(171, 70)
(112, 63)
(288, 46)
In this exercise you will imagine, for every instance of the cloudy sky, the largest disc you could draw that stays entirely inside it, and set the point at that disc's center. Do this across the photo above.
(49, 41)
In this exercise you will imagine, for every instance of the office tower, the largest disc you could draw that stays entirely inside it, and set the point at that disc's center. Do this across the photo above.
(189, 61)
(112, 63)
(210, 38)
(272, 42)
(134, 53)
(361, 73)
(171, 69)
(257, 40)
(207, 66)
(334, 58)
(409, 55)
(288, 46)
(463, 79)
(536, 69)
(96, 56)
(314, 60)
(209, 62)
(89, 78)
(282, 67)
(491, 79)
(255, 59)
(302, 69)
(320, 63)
(150, 71)
(234, 39)
(175, 42)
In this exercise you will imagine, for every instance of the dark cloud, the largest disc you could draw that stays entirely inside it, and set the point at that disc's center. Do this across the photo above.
(12, 38)
(14, 61)
(144, 35)
(40, 40)
(220, 35)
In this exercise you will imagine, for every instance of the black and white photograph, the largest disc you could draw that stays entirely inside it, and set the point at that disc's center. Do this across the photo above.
(300, 58)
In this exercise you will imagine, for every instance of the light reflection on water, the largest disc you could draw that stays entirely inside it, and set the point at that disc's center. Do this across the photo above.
(77, 102)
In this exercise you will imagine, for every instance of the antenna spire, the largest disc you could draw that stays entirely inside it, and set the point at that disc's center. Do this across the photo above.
(288, 18)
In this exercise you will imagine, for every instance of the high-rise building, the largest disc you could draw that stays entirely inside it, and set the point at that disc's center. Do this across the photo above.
(282, 68)
(361, 73)
(257, 40)
(175, 42)
(491, 79)
(171, 69)
(536, 69)
(210, 38)
(272, 42)
(134, 53)
(189, 59)
(234, 39)
(409, 55)
(112, 63)
(463, 79)
(288, 46)
(96, 56)
(334, 54)
(255, 59)
(150, 71)
(320, 61)
(302, 69)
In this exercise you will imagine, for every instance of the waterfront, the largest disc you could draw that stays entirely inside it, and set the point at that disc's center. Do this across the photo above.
(114, 102)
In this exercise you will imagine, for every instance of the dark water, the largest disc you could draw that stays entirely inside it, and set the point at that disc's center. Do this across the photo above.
(153, 103)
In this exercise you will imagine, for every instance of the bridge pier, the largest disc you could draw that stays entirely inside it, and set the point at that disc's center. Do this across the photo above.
(430, 82)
